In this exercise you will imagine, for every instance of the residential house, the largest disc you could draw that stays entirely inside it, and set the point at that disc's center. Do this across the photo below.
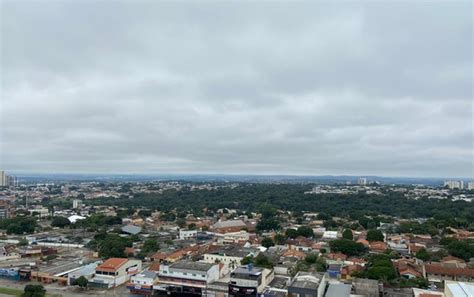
(187, 234)
(438, 272)
(142, 283)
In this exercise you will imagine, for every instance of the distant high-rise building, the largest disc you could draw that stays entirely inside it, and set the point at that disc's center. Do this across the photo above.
(470, 185)
(76, 203)
(454, 184)
(362, 181)
(3, 179)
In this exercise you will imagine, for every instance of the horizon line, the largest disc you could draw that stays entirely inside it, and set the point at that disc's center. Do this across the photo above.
(23, 173)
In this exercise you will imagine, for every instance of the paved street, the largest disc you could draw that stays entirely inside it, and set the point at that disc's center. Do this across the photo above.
(56, 290)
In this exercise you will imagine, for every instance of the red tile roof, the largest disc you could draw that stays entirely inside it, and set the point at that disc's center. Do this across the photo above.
(112, 264)
(439, 269)
(159, 256)
(155, 266)
(294, 253)
(452, 258)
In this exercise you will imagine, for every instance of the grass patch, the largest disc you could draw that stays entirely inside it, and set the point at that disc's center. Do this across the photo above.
(11, 291)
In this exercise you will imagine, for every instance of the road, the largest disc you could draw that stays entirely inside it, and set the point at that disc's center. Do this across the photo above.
(64, 291)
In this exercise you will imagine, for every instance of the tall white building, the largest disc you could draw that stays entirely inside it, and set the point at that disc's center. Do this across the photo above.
(77, 204)
(362, 181)
(470, 185)
(7, 180)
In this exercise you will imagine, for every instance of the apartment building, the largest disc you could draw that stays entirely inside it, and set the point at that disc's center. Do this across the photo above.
(187, 277)
(249, 280)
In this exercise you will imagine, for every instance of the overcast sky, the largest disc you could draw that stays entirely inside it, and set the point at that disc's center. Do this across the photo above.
(263, 87)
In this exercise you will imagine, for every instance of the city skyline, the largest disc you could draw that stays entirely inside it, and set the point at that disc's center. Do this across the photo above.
(255, 88)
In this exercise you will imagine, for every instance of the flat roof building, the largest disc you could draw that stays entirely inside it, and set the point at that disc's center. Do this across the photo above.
(249, 280)
(187, 277)
(114, 272)
(307, 284)
(458, 289)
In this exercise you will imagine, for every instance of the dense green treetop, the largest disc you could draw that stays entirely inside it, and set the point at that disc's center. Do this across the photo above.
(266, 198)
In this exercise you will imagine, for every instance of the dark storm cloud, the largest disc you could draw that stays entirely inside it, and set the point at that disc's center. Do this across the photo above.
(299, 88)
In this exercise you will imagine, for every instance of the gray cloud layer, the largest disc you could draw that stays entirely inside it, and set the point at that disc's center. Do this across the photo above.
(213, 87)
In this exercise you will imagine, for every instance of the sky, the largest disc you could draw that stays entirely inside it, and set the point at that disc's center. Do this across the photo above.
(253, 87)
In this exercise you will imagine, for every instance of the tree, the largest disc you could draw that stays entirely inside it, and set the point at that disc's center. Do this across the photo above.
(247, 260)
(422, 283)
(267, 224)
(181, 222)
(323, 216)
(113, 246)
(311, 258)
(60, 222)
(291, 197)
(347, 247)
(268, 211)
(291, 233)
(82, 282)
(279, 239)
(380, 267)
(150, 245)
(262, 261)
(382, 273)
(144, 213)
(305, 231)
(19, 225)
(330, 224)
(34, 291)
(168, 216)
(462, 249)
(23, 242)
(423, 254)
(267, 242)
(347, 234)
(375, 235)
